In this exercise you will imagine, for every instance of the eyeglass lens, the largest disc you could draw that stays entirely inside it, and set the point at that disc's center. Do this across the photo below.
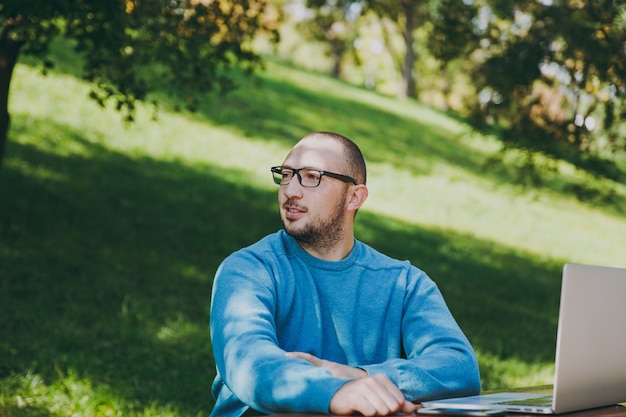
(306, 177)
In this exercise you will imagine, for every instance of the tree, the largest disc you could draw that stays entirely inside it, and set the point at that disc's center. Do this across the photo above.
(553, 77)
(331, 15)
(408, 16)
(133, 47)
(334, 23)
(452, 36)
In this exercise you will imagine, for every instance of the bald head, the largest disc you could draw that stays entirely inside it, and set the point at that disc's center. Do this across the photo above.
(346, 153)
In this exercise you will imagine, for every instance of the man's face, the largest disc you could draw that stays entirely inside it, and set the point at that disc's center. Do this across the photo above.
(315, 216)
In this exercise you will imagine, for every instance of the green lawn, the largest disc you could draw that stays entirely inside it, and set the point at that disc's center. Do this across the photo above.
(110, 234)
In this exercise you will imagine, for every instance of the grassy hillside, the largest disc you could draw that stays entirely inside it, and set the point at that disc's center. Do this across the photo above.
(110, 234)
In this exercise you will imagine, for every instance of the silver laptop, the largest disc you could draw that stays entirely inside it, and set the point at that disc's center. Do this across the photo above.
(590, 367)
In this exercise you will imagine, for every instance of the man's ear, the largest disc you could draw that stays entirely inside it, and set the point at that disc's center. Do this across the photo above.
(357, 196)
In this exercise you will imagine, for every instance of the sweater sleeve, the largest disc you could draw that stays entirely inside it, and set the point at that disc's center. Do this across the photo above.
(249, 361)
(440, 361)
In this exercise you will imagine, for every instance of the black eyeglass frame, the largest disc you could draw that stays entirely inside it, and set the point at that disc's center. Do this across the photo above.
(296, 172)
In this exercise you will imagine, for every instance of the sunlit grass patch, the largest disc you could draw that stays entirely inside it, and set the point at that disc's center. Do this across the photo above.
(513, 373)
(110, 234)
(70, 395)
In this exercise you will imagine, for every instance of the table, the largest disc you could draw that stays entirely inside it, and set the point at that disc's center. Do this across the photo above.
(610, 411)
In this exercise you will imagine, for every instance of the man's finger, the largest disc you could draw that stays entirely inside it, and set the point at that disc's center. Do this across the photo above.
(370, 396)
(313, 360)
(385, 396)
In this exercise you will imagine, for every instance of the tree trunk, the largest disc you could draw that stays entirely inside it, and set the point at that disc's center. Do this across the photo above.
(445, 89)
(409, 59)
(335, 71)
(9, 51)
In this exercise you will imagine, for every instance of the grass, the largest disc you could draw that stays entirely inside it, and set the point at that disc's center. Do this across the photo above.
(110, 235)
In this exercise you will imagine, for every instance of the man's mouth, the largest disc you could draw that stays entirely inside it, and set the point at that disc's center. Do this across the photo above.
(293, 211)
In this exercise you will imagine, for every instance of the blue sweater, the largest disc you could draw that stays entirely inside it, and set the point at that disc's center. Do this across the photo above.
(367, 310)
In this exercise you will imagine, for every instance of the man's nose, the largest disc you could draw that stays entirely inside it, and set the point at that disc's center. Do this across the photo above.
(294, 188)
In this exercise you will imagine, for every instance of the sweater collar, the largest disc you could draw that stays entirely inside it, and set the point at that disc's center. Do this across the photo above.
(295, 250)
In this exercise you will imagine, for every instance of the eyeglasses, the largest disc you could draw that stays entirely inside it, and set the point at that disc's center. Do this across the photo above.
(306, 176)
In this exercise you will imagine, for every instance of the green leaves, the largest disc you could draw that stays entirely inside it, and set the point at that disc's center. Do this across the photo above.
(550, 76)
(133, 47)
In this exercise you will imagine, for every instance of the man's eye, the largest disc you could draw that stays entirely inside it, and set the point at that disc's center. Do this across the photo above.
(312, 176)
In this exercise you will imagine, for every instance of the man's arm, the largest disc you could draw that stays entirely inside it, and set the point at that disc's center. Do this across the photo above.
(247, 355)
(364, 394)
(440, 362)
(338, 370)
(372, 395)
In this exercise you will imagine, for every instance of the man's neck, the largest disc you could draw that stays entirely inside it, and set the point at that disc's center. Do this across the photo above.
(335, 252)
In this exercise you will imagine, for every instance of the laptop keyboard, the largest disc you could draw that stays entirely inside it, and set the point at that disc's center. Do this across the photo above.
(544, 401)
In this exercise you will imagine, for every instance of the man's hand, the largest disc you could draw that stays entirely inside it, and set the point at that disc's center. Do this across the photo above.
(372, 395)
(338, 370)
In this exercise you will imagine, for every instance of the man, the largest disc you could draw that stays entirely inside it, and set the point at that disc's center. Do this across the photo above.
(309, 319)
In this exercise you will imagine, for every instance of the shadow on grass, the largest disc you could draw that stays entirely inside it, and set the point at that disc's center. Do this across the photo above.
(106, 267)
(25, 411)
(106, 264)
(506, 301)
(275, 108)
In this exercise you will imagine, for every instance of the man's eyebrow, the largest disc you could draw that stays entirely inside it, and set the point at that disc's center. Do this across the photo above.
(304, 167)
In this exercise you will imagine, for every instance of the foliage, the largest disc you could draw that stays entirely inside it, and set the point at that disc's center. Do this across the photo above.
(132, 47)
(110, 234)
(453, 33)
(407, 15)
(542, 75)
(333, 23)
(452, 36)
(404, 15)
(552, 77)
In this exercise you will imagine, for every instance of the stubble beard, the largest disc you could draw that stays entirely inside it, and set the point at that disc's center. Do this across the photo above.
(323, 234)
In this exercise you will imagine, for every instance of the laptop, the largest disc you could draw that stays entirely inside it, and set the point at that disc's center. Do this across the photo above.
(590, 365)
